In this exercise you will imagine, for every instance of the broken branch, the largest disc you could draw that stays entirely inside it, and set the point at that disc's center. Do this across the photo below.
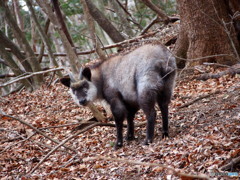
(174, 171)
(35, 129)
(197, 99)
(30, 75)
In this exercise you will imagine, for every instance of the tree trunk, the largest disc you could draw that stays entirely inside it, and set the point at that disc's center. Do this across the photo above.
(104, 22)
(122, 17)
(11, 63)
(43, 36)
(31, 58)
(206, 30)
(7, 43)
(91, 28)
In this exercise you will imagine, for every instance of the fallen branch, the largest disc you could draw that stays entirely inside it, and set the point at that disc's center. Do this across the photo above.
(62, 143)
(88, 123)
(174, 171)
(231, 71)
(37, 130)
(30, 75)
(230, 165)
(71, 137)
(197, 99)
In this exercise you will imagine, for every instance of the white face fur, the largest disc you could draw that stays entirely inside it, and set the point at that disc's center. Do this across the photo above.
(92, 92)
(83, 90)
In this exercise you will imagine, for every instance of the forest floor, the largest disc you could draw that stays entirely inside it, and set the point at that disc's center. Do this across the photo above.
(204, 136)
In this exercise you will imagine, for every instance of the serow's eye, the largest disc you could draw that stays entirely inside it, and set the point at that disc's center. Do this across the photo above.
(85, 90)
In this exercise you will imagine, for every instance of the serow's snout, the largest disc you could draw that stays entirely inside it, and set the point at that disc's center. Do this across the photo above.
(83, 102)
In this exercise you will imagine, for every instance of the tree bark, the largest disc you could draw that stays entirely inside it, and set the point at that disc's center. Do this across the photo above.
(7, 43)
(31, 58)
(123, 19)
(91, 28)
(11, 63)
(104, 22)
(17, 14)
(206, 29)
(71, 53)
(43, 36)
(159, 12)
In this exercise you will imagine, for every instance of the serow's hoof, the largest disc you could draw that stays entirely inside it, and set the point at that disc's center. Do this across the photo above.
(165, 135)
(118, 145)
(130, 138)
(147, 142)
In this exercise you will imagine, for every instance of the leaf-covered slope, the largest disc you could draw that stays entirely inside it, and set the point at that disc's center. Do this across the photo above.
(203, 136)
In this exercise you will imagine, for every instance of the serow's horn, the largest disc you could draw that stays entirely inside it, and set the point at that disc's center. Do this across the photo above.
(72, 77)
(80, 73)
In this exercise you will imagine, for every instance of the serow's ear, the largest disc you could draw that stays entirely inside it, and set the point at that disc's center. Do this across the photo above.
(65, 81)
(87, 73)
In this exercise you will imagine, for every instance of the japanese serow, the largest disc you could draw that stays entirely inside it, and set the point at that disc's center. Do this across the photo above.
(129, 82)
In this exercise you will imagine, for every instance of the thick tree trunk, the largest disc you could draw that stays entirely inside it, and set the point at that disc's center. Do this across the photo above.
(206, 25)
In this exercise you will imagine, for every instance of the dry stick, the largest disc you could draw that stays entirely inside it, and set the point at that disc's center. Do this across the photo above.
(62, 143)
(146, 28)
(106, 47)
(229, 166)
(231, 71)
(37, 130)
(64, 125)
(197, 99)
(17, 143)
(176, 172)
(30, 75)
(71, 137)
(157, 10)
(88, 123)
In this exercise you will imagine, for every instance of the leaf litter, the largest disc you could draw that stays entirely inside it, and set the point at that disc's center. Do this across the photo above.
(204, 136)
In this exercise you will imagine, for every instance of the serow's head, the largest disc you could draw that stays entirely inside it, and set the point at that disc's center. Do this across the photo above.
(82, 89)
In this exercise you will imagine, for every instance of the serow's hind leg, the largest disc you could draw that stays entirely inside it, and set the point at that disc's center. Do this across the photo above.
(163, 102)
(147, 102)
(130, 126)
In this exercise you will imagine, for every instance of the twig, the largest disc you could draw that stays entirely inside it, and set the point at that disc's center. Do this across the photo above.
(62, 143)
(106, 47)
(17, 143)
(197, 99)
(37, 130)
(230, 165)
(146, 28)
(64, 125)
(88, 123)
(69, 138)
(174, 171)
(232, 71)
(30, 75)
